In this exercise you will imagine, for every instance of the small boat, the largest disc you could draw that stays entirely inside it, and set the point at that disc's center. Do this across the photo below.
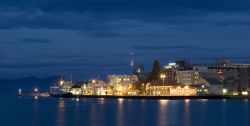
(20, 94)
(44, 95)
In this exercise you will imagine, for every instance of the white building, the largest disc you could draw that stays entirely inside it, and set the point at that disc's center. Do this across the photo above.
(187, 77)
(122, 79)
(171, 90)
(215, 87)
(122, 84)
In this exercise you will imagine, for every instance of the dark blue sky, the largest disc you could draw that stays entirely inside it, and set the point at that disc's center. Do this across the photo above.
(86, 38)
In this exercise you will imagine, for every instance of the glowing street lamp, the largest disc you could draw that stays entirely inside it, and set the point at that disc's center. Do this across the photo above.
(61, 83)
(224, 91)
(93, 87)
(163, 76)
(186, 87)
(36, 89)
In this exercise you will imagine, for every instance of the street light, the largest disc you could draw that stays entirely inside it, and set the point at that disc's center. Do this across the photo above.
(93, 87)
(163, 76)
(61, 83)
(36, 89)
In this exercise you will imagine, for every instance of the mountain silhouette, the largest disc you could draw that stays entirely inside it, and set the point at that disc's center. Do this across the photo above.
(27, 84)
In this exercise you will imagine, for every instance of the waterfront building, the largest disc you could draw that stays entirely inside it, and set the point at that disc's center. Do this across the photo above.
(214, 86)
(183, 91)
(76, 90)
(169, 72)
(187, 77)
(235, 77)
(202, 89)
(170, 90)
(93, 87)
(122, 84)
(182, 65)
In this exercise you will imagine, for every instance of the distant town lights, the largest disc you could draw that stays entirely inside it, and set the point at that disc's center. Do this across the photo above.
(172, 64)
(186, 87)
(224, 91)
(244, 93)
(162, 76)
(61, 82)
(36, 90)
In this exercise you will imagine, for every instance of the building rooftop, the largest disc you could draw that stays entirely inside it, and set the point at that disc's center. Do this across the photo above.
(213, 81)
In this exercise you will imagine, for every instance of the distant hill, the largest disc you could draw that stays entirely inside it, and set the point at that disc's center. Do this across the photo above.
(27, 84)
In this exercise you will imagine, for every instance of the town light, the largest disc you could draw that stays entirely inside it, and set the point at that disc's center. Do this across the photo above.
(93, 81)
(36, 90)
(224, 91)
(203, 86)
(186, 87)
(162, 76)
(61, 82)
(77, 99)
(244, 93)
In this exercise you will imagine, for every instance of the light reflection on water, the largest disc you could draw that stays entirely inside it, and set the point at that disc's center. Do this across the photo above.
(120, 113)
(163, 110)
(123, 112)
(60, 121)
(186, 113)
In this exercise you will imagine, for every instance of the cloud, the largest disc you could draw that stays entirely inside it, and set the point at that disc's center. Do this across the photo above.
(103, 34)
(181, 47)
(7, 42)
(143, 47)
(82, 56)
(25, 65)
(34, 40)
(104, 19)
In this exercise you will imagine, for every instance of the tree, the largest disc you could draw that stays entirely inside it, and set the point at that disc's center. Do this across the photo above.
(153, 75)
(156, 70)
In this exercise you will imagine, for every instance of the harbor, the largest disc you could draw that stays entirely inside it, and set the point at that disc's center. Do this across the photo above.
(178, 80)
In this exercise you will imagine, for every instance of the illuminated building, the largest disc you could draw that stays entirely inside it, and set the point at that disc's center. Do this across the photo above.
(171, 90)
(122, 84)
(211, 86)
(76, 90)
(187, 77)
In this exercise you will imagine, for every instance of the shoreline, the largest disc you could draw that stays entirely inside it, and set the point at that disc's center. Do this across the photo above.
(153, 97)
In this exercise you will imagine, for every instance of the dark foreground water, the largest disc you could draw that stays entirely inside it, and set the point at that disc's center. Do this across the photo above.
(27, 111)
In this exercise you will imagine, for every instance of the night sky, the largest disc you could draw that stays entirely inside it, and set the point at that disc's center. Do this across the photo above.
(87, 38)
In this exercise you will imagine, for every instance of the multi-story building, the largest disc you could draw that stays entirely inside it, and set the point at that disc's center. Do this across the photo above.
(170, 76)
(122, 84)
(170, 90)
(212, 86)
(187, 77)
(235, 77)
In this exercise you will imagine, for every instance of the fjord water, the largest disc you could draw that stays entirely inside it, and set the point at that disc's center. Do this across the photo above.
(27, 111)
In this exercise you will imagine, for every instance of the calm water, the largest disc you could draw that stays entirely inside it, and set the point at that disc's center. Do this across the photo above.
(27, 111)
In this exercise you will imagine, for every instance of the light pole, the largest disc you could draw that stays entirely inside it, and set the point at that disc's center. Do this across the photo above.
(163, 76)
(93, 87)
